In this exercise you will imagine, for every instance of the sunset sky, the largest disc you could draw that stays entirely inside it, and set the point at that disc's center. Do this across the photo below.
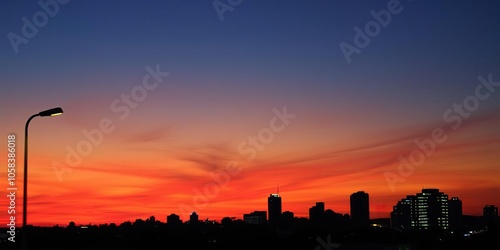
(181, 105)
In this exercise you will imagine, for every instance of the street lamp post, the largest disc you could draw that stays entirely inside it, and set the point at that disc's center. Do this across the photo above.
(49, 112)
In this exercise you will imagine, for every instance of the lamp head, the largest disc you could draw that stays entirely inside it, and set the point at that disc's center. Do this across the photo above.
(51, 112)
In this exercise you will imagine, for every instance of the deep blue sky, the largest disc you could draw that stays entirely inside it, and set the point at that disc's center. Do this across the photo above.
(286, 38)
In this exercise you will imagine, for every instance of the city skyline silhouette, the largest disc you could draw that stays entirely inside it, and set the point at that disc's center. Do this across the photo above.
(324, 228)
(275, 200)
(229, 108)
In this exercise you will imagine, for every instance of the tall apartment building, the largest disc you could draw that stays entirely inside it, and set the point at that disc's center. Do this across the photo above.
(425, 210)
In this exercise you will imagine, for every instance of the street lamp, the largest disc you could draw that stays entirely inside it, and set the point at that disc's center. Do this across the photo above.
(49, 112)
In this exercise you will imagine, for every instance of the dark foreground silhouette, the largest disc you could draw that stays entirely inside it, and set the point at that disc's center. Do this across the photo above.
(234, 234)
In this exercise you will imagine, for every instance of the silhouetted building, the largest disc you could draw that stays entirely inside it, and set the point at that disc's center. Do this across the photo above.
(274, 208)
(432, 209)
(139, 223)
(335, 221)
(174, 219)
(425, 210)
(360, 210)
(226, 221)
(401, 215)
(193, 218)
(287, 220)
(490, 215)
(287, 216)
(255, 217)
(455, 213)
(317, 212)
(152, 219)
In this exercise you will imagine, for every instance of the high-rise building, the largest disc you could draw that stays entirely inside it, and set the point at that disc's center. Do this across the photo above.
(360, 210)
(193, 218)
(455, 213)
(490, 211)
(274, 208)
(490, 215)
(317, 212)
(255, 217)
(425, 210)
(401, 215)
(432, 209)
